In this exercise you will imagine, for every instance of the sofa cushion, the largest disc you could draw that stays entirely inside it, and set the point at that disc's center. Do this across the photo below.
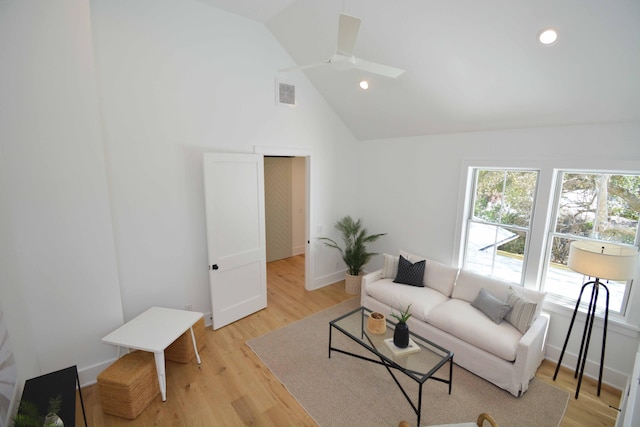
(522, 310)
(458, 318)
(469, 283)
(437, 276)
(398, 296)
(410, 273)
(494, 308)
(390, 268)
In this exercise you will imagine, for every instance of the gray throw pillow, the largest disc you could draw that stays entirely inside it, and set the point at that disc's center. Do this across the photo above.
(410, 274)
(494, 308)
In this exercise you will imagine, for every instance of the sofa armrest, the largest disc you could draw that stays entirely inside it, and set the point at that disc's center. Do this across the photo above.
(366, 280)
(371, 277)
(530, 350)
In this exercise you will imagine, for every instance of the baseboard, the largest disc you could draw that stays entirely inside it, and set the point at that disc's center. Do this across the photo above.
(610, 376)
(329, 279)
(88, 375)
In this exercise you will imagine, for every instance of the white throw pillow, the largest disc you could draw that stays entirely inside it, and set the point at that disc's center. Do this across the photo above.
(390, 269)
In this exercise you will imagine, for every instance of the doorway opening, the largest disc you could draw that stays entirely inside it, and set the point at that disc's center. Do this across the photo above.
(285, 182)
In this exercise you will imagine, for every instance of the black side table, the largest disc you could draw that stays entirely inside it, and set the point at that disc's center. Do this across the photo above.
(40, 389)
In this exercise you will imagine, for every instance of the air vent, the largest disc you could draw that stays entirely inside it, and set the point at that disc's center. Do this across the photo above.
(286, 94)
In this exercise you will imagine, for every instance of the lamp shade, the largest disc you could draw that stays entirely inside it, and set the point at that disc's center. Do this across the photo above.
(602, 260)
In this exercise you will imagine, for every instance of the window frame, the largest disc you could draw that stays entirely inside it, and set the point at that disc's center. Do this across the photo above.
(551, 233)
(469, 217)
(543, 220)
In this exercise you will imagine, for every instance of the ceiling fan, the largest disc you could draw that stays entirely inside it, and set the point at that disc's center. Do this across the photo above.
(343, 59)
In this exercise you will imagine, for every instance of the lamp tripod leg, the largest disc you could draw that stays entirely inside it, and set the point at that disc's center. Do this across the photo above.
(566, 341)
(604, 337)
(586, 334)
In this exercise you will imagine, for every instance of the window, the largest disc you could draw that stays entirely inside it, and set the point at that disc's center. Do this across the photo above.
(499, 222)
(593, 206)
(506, 233)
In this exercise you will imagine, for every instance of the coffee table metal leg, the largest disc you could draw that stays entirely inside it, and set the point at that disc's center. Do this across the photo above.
(330, 329)
(450, 373)
(419, 403)
(162, 379)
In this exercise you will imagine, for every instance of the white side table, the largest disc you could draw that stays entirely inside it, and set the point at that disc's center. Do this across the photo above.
(154, 330)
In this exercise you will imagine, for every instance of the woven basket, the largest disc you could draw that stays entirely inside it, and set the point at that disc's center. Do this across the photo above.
(181, 350)
(377, 326)
(129, 385)
(352, 284)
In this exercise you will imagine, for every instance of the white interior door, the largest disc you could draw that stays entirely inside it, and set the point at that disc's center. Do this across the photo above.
(234, 202)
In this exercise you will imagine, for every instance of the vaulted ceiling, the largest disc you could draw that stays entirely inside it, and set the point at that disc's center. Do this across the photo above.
(470, 65)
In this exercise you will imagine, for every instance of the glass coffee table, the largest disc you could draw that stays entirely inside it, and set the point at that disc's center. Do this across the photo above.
(419, 363)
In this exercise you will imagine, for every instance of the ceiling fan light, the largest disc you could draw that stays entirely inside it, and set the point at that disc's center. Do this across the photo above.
(364, 85)
(548, 36)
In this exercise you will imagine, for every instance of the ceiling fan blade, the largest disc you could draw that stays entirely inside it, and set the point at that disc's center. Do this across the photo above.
(375, 68)
(304, 67)
(348, 27)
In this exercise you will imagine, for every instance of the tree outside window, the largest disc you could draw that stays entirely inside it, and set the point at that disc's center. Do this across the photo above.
(593, 206)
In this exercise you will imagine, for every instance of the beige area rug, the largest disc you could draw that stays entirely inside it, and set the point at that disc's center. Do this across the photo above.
(346, 391)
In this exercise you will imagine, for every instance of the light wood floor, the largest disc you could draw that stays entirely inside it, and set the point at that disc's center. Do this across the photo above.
(233, 388)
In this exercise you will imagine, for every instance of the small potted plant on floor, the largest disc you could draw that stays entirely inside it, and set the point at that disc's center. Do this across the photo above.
(401, 332)
(355, 253)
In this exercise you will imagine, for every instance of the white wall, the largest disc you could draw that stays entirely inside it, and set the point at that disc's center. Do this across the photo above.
(60, 270)
(410, 188)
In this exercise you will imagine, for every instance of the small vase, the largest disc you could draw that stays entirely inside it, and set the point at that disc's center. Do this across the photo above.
(401, 335)
(53, 420)
(376, 323)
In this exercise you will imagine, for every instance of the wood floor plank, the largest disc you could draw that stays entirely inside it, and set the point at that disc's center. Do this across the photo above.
(233, 388)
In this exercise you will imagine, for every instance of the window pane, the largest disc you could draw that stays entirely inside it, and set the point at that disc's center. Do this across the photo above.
(519, 194)
(488, 195)
(563, 282)
(599, 206)
(495, 251)
(505, 197)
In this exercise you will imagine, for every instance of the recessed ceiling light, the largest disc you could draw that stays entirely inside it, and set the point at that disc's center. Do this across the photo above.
(548, 36)
(364, 85)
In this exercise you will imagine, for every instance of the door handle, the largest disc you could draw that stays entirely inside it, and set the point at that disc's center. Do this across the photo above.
(214, 267)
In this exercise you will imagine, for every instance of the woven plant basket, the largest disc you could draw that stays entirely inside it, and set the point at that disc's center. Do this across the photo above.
(352, 284)
(181, 350)
(129, 385)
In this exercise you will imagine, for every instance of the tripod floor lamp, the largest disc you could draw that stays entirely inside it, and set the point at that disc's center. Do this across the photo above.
(600, 260)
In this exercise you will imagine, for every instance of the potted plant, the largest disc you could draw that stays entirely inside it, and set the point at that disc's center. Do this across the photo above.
(354, 253)
(401, 332)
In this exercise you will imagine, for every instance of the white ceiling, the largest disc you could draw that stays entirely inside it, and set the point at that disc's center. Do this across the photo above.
(470, 65)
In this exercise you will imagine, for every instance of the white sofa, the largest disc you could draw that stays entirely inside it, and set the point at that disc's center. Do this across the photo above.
(444, 312)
